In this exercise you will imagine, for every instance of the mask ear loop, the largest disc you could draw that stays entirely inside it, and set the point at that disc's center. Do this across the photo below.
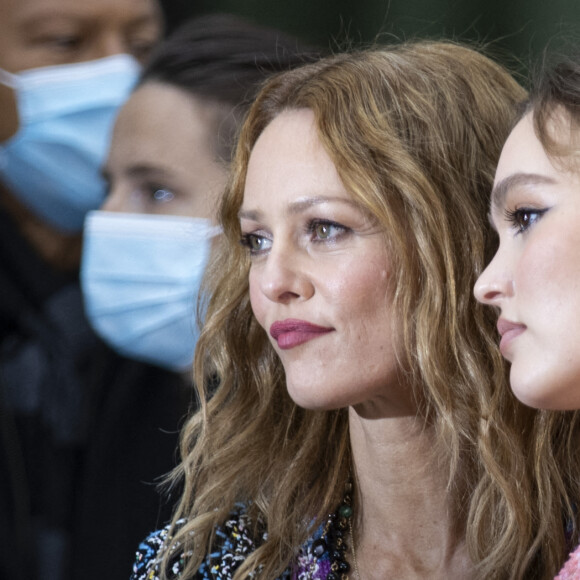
(8, 79)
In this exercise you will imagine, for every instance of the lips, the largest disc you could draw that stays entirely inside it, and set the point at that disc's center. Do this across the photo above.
(508, 331)
(290, 333)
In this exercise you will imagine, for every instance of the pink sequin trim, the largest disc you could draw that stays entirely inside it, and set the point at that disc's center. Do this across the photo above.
(571, 570)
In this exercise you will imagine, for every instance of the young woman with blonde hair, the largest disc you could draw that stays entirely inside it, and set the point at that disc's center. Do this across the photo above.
(363, 427)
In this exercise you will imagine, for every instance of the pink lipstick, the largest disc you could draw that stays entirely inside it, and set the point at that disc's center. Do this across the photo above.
(290, 332)
(508, 331)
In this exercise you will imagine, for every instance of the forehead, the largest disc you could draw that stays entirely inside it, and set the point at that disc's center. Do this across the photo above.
(160, 121)
(289, 160)
(522, 155)
(19, 11)
(294, 131)
(522, 151)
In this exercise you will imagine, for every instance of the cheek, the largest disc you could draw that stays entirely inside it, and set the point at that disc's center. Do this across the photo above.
(184, 205)
(363, 293)
(257, 299)
(550, 271)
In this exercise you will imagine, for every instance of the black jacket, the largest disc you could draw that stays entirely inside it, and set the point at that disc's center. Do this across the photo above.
(84, 433)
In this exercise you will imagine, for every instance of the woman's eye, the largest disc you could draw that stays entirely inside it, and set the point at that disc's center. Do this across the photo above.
(524, 217)
(255, 243)
(162, 195)
(150, 197)
(325, 230)
(61, 42)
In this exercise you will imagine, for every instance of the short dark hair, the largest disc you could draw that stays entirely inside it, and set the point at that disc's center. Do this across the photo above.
(224, 59)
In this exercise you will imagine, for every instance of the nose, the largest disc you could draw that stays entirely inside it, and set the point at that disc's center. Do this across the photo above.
(108, 43)
(112, 203)
(283, 277)
(117, 199)
(494, 284)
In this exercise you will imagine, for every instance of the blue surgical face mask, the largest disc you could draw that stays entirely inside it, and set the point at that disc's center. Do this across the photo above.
(140, 277)
(66, 114)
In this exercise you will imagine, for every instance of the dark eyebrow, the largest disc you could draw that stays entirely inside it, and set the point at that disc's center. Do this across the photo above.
(297, 206)
(140, 171)
(150, 171)
(501, 189)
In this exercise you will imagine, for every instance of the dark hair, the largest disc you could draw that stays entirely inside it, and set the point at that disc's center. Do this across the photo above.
(556, 89)
(223, 60)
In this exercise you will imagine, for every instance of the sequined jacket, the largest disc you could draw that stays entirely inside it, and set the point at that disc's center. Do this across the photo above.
(571, 570)
(232, 547)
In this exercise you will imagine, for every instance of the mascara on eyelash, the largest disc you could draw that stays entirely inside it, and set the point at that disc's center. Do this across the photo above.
(316, 222)
(513, 215)
(246, 242)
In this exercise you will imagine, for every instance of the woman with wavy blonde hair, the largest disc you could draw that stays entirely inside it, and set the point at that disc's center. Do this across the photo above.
(362, 427)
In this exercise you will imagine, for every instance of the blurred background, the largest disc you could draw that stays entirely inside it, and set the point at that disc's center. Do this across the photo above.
(518, 30)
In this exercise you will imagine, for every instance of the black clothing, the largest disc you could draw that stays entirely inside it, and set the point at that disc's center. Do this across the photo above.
(84, 433)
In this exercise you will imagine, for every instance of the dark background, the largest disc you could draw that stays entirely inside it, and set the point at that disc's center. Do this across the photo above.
(516, 30)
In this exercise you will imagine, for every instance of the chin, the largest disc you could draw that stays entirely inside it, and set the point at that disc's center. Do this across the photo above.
(314, 400)
(315, 404)
(551, 395)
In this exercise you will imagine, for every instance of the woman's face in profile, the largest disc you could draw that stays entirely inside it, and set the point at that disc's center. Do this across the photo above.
(162, 158)
(320, 276)
(534, 278)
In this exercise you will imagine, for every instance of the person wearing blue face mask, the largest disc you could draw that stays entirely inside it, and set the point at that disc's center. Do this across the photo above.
(65, 69)
(146, 250)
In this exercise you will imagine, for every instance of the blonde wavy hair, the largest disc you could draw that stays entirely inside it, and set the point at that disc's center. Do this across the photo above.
(415, 131)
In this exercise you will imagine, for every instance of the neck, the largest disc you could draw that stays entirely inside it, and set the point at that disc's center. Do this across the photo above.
(61, 250)
(405, 521)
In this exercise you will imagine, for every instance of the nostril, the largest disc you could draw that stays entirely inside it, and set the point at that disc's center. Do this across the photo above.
(491, 295)
(486, 294)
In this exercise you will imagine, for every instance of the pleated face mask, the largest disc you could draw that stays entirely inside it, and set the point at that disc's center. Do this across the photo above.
(66, 114)
(140, 276)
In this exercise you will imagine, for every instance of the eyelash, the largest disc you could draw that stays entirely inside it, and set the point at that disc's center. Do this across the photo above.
(161, 195)
(153, 194)
(521, 219)
(248, 239)
(315, 223)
